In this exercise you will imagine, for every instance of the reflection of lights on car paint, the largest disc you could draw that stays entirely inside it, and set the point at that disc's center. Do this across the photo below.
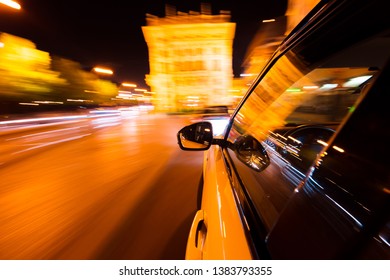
(295, 140)
(293, 151)
(357, 81)
(383, 239)
(328, 86)
(310, 87)
(281, 136)
(311, 180)
(323, 143)
(320, 159)
(338, 149)
(293, 175)
(314, 181)
(293, 90)
(351, 109)
(345, 211)
(319, 162)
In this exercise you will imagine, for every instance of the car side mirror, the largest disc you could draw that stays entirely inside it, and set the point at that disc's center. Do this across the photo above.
(250, 151)
(196, 137)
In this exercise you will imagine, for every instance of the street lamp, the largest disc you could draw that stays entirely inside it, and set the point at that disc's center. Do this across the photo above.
(101, 70)
(12, 4)
(129, 85)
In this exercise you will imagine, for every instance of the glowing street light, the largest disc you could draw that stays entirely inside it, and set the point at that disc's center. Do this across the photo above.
(129, 85)
(102, 70)
(11, 4)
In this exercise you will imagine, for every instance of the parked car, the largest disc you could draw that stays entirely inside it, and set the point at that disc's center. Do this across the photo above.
(302, 170)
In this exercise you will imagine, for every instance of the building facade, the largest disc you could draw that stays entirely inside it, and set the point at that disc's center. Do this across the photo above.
(190, 59)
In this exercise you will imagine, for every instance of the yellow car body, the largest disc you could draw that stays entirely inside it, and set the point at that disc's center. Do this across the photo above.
(217, 231)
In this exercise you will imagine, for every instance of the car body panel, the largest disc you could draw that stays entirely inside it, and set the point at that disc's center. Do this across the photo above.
(225, 237)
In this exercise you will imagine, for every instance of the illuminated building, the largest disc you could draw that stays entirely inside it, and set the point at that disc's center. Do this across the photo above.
(190, 59)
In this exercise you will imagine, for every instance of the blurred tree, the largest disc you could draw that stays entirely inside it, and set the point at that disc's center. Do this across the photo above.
(25, 73)
(82, 86)
(30, 75)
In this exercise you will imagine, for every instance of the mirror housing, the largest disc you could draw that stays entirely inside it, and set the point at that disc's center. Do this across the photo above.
(196, 137)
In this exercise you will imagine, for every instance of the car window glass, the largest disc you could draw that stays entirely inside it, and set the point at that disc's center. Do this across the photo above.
(293, 112)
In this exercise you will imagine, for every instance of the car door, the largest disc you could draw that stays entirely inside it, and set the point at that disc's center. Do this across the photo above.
(291, 114)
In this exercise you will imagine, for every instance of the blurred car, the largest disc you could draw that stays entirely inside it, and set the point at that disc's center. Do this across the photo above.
(302, 170)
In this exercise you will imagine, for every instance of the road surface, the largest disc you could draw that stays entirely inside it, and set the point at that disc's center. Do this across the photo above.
(112, 187)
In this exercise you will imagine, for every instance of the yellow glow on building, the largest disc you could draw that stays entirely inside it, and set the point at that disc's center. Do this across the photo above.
(190, 54)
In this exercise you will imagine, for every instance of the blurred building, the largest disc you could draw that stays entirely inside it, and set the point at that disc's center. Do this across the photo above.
(190, 59)
(268, 37)
(296, 11)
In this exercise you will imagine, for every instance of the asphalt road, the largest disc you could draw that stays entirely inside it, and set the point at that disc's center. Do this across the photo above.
(111, 188)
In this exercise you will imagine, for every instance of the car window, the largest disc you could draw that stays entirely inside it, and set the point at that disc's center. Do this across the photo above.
(296, 108)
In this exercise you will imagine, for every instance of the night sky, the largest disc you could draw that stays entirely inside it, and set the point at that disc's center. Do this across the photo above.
(108, 33)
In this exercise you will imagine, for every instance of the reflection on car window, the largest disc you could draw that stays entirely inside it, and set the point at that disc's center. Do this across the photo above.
(293, 111)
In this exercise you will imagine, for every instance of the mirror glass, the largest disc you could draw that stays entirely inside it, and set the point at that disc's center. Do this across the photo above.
(197, 136)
